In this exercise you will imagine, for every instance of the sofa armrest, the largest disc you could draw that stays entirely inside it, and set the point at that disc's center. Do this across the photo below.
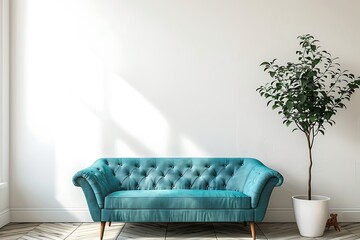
(257, 180)
(94, 209)
(101, 180)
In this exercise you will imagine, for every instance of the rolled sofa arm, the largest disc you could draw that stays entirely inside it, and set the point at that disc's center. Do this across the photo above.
(260, 183)
(95, 210)
(97, 182)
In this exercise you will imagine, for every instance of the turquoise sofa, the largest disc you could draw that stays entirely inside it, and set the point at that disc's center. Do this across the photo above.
(177, 190)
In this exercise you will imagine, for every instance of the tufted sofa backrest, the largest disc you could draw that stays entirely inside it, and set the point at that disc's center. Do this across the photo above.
(178, 173)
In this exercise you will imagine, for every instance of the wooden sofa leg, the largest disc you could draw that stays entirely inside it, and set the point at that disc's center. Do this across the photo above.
(252, 228)
(102, 229)
(109, 224)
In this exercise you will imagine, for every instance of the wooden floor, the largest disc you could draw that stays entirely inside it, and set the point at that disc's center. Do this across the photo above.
(171, 231)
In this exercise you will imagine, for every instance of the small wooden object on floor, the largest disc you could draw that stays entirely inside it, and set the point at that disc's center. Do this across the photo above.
(332, 221)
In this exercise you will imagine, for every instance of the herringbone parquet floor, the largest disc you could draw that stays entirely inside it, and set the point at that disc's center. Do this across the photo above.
(162, 231)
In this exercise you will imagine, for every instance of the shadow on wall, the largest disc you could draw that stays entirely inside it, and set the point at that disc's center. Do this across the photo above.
(132, 126)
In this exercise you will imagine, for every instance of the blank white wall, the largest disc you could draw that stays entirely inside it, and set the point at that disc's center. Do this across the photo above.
(106, 78)
(4, 113)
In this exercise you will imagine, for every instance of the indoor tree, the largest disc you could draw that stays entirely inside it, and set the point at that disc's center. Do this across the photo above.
(309, 92)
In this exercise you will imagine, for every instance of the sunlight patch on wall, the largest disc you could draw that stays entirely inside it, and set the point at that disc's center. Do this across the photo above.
(191, 149)
(134, 113)
(124, 149)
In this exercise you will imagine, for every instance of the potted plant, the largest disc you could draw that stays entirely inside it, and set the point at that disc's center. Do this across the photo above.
(308, 94)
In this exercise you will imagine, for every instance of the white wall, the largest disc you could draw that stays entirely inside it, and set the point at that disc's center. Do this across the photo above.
(107, 78)
(4, 113)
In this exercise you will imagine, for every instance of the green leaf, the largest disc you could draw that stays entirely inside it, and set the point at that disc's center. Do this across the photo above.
(313, 118)
(275, 106)
(323, 93)
(315, 62)
(327, 115)
(289, 105)
(302, 99)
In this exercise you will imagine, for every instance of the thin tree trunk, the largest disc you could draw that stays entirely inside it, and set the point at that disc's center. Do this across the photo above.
(310, 143)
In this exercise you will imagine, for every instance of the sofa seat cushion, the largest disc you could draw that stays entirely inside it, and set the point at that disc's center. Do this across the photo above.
(177, 199)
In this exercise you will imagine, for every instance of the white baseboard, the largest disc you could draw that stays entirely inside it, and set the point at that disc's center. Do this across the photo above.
(347, 214)
(83, 215)
(287, 214)
(279, 215)
(50, 215)
(4, 217)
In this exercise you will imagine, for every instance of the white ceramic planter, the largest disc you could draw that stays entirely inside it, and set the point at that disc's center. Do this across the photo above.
(311, 215)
